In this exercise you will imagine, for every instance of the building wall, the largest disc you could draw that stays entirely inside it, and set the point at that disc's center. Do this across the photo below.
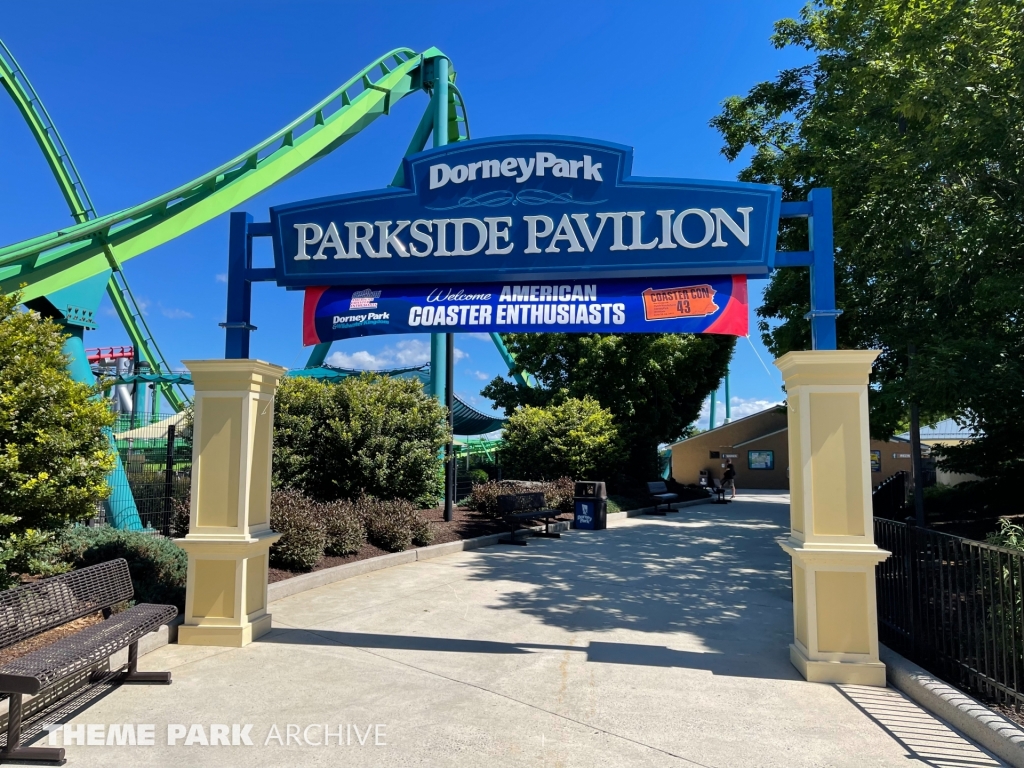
(692, 455)
(765, 431)
(775, 478)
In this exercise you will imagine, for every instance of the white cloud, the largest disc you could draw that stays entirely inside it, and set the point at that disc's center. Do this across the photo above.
(404, 354)
(410, 352)
(174, 313)
(741, 406)
(747, 406)
(362, 360)
(222, 277)
(481, 375)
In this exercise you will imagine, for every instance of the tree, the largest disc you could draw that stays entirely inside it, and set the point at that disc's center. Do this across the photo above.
(54, 452)
(911, 112)
(367, 434)
(574, 438)
(652, 383)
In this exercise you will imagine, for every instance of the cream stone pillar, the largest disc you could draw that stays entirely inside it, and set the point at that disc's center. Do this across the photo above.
(831, 540)
(229, 524)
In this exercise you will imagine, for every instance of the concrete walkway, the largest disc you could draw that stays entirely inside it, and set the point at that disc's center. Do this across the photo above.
(659, 642)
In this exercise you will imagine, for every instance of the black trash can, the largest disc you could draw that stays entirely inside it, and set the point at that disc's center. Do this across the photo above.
(591, 502)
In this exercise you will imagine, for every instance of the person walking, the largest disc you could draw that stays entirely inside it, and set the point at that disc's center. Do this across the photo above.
(729, 479)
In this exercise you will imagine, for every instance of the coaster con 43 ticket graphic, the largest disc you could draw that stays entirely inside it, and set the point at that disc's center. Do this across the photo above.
(644, 305)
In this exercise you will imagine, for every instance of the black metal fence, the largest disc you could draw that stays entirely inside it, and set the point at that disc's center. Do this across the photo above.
(889, 498)
(156, 454)
(953, 605)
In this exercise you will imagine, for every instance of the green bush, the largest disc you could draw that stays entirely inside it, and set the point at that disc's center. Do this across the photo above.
(346, 533)
(393, 525)
(300, 520)
(54, 451)
(367, 434)
(558, 494)
(422, 533)
(477, 476)
(157, 565)
(575, 438)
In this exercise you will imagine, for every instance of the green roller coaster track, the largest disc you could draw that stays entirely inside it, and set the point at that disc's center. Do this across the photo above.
(52, 262)
(44, 265)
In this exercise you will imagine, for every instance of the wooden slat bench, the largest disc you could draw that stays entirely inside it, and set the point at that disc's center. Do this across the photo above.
(518, 509)
(31, 609)
(660, 494)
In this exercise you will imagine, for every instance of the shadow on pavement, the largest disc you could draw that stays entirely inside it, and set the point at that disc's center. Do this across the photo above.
(711, 573)
(597, 652)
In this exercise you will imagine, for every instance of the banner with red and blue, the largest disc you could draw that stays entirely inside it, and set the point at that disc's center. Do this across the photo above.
(687, 304)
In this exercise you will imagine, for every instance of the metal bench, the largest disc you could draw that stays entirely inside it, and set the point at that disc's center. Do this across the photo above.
(719, 491)
(520, 508)
(31, 609)
(660, 493)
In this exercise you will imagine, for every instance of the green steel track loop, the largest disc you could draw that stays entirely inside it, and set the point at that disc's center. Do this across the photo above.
(69, 180)
(53, 261)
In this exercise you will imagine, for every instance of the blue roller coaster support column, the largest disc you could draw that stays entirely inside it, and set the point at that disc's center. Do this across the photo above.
(237, 325)
(440, 107)
(122, 512)
(711, 419)
(823, 280)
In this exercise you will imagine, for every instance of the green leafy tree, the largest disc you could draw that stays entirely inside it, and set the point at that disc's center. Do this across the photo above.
(54, 453)
(574, 438)
(911, 113)
(652, 383)
(367, 434)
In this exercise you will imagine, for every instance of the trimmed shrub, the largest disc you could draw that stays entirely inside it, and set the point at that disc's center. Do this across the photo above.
(180, 514)
(300, 520)
(393, 525)
(575, 438)
(422, 533)
(477, 476)
(157, 565)
(484, 496)
(558, 494)
(346, 533)
(367, 434)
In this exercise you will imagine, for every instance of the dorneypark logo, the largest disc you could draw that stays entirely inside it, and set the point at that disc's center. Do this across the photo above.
(518, 168)
(216, 735)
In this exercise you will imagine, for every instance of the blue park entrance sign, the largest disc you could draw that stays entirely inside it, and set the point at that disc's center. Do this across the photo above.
(526, 208)
(530, 233)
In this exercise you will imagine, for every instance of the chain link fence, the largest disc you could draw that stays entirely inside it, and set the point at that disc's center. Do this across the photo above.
(156, 452)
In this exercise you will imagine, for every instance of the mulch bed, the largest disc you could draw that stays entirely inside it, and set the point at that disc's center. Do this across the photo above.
(465, 524)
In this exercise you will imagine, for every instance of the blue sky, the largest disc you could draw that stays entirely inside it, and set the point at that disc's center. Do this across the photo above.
(149, 96)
